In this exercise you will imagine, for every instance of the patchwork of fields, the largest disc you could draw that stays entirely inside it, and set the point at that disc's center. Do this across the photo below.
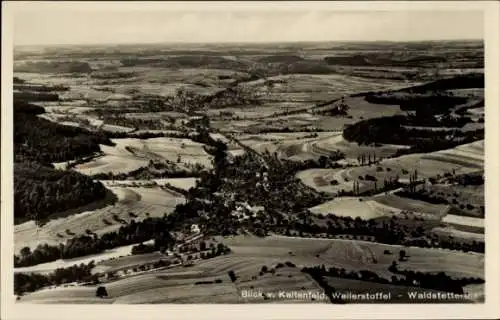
(287, 101)
(177, 285)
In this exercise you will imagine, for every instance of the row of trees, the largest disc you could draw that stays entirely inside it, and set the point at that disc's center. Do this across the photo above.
(134, 232)
(439, 281)
(155, 170)
(24, 282)
(389, 184)
(396, 230)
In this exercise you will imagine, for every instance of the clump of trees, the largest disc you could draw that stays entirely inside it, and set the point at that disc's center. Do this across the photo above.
(367, 158)
(468, 179)
(101, 292)
(232, 275)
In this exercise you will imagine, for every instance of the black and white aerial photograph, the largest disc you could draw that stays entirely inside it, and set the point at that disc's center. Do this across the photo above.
(255, 156)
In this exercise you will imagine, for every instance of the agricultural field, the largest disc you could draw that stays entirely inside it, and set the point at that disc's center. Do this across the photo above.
(464, 221)
(307, 87)
(412, 205)
(176, 285)
(451, 231)
(355, 208)
(131, 154)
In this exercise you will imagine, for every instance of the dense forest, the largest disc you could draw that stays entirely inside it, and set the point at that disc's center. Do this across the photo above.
(397, 130)
(427, 106)
(40, 190)
(439, 102)
(466, 81)
(40, 140)
(67, 66)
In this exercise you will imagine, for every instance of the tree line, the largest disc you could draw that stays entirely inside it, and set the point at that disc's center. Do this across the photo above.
(131, 233)
(433, 281)
(391, 130)
(29, 282)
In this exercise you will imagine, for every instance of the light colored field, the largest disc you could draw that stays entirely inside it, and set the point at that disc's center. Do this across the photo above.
(115, 128)
(118, 159)
(66, 108)
(437, 210)
(172, 132)
(236, 152)
(320, 179)
(470, 155)
(154, 115)
(218, 136)
(476, 111)
(182, 183)
(249, 255)
(450, 231)
(464, 221)
(357, 255)
(353, 207)
(141, 202)
(85, 92)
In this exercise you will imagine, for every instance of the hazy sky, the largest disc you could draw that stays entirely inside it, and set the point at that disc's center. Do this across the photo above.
(93, 27)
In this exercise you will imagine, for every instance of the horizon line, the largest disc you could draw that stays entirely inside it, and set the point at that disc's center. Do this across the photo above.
(244, 42)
